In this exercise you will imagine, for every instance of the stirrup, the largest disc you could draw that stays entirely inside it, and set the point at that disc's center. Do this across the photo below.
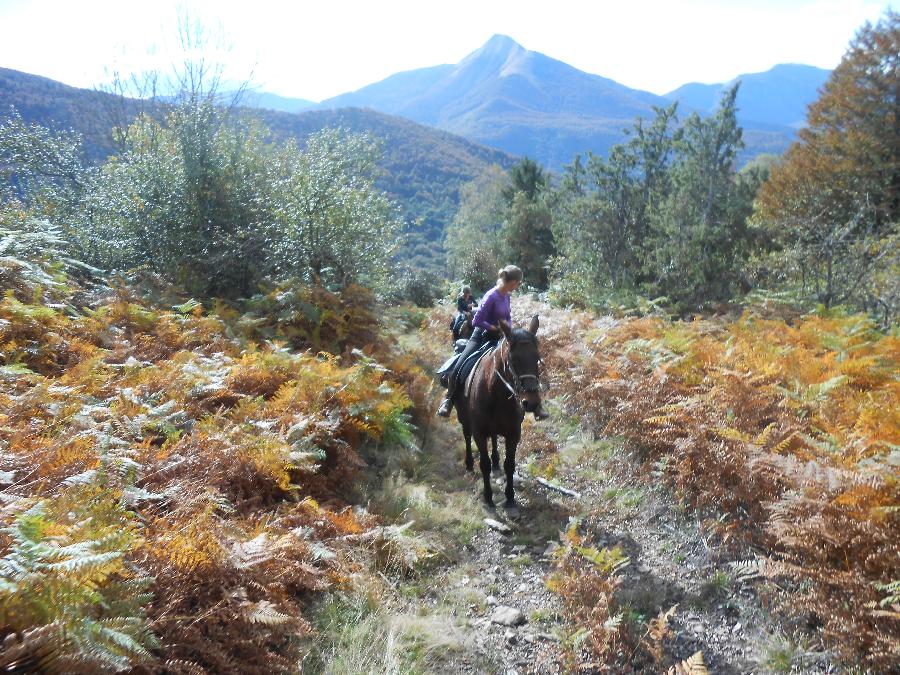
(446, 407)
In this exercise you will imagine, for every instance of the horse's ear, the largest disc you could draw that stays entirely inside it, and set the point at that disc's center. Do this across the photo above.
(533, 326)
(507, 331)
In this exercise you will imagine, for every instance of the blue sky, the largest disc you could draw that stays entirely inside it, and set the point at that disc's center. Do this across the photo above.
(319, 48)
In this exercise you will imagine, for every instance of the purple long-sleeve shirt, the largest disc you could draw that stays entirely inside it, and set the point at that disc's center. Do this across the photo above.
(494, 307)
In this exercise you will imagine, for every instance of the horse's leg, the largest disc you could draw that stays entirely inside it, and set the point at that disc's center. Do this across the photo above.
(495, 456)
(470, 461)
(510, 465)
(485, 463)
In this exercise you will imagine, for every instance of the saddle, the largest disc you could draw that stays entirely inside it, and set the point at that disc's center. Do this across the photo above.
(468, 366)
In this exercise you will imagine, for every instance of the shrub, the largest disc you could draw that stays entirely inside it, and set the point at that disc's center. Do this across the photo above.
(791, 430)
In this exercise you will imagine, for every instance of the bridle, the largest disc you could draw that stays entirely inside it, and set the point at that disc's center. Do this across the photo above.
(516, 387)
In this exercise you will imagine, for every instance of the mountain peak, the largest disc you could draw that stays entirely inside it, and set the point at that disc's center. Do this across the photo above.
(499, 46)
(500, 41)
(491, 57)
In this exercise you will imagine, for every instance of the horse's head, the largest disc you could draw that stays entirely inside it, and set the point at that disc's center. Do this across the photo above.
(522, 363)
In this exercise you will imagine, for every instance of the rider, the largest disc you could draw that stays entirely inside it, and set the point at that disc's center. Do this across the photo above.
(464, 304)
(486, 325)
(465, 301)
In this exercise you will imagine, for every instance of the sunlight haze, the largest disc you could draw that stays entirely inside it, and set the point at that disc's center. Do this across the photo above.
(318, 50)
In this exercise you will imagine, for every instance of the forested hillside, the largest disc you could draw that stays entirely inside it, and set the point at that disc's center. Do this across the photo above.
(422, 168)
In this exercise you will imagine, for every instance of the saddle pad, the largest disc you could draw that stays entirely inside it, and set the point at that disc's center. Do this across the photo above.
(467, 376)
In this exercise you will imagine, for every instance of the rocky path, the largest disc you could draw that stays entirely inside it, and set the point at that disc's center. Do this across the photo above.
(496, 588)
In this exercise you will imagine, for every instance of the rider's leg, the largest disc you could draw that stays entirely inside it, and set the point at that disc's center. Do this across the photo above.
(474, 343)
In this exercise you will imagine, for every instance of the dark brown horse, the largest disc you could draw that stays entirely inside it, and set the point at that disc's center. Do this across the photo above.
(464, 331)
(504, 386)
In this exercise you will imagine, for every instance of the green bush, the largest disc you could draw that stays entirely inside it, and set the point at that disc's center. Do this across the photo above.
(203, 198)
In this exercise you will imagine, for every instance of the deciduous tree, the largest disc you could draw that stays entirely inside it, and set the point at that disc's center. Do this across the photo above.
(834, 203)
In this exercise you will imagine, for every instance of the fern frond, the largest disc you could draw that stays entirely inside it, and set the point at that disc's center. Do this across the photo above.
(892, 593)
(179, 666)
(613, 622)
(747, 570)
(762, 439)
(266, 613)
(660, 420)
(693, 665)
(733, 434)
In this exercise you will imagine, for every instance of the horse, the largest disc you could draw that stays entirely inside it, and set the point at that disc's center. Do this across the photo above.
(462, 331)
(504, 386)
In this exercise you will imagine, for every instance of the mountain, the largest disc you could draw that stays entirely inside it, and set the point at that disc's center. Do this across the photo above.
(269, 101)
(778, 97)
(514, 99)
(422, 167)
(526, 103)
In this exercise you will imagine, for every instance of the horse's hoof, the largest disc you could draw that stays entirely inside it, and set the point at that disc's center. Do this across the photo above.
(512, 511)
(489, 504)
(497, 471)
(470, 469)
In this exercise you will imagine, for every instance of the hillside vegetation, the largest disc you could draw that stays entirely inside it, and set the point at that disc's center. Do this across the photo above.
(422, 168)
(164, 463)
(790, 433)
(218, 447)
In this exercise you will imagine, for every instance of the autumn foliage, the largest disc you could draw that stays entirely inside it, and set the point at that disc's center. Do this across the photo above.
(174, 490)
(833, 203)
(792, 431)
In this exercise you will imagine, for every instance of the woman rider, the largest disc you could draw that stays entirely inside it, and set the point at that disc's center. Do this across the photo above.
(486, 325)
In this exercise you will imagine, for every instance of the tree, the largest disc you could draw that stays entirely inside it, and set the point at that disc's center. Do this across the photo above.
(528, 177)
(473, 241)
(603, 208)
(203, 199)
(189, 198)
(664, 214)
(39, 167)
(833, 205)
(698, 236)
(333, 225)
(527, 236)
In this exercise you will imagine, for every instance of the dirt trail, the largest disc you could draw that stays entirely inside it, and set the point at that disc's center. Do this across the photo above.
(670, 563)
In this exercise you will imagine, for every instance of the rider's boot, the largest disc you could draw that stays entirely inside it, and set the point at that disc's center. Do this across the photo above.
(446, 407)
(540, 413)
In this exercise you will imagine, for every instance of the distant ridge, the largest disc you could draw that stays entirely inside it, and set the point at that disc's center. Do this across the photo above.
(776, 97)
(269, 101)
(526, 103)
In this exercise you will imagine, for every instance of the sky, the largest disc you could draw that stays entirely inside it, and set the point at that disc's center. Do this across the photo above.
(315, 49)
